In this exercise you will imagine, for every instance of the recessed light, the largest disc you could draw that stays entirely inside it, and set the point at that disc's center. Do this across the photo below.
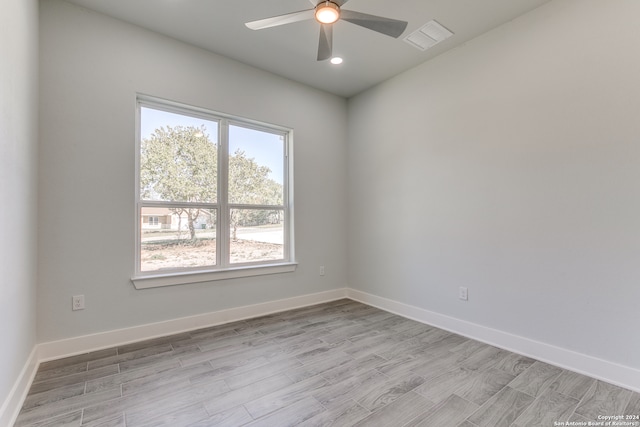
(336, 60)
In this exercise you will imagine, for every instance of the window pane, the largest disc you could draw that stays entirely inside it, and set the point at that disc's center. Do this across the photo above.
(256, 167)
(177, 238)
(256, 235)
(178, 157)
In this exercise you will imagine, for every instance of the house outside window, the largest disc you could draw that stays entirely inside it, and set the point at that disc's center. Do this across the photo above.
(213, 195)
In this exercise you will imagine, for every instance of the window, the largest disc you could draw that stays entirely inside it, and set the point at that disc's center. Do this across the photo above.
(212, 196)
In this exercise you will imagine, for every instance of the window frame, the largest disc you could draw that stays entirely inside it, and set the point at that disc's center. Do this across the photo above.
(223, 269)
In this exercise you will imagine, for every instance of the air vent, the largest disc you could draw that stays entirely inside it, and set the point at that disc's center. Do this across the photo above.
(428, 35)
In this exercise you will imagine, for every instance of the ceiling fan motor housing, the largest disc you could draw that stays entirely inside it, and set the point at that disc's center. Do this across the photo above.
(327, 12)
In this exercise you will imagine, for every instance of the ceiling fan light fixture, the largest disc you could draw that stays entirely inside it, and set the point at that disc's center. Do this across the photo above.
(327, 12)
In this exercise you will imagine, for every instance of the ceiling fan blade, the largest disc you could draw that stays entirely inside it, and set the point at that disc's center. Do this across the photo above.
(387, 26)
(289, 18)
(325, 46)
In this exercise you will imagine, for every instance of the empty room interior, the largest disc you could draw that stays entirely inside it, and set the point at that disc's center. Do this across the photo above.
(414, 212)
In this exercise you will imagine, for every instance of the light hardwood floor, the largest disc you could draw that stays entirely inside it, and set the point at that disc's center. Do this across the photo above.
(341, 363)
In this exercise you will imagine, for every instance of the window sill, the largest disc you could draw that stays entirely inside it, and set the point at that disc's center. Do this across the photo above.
(171, 279)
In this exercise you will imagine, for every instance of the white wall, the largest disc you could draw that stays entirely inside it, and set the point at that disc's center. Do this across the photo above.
(18, 179)
(510, 165)
(92, 67)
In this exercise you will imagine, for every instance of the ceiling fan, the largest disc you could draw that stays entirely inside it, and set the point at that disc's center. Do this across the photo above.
(327, 13)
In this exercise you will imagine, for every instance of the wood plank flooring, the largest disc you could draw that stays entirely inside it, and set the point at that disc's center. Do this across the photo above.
(336, 364)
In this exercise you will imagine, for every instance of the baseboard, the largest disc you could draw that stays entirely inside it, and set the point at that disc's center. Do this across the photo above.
(86, 343)
(78, 345)
(610, 372)
(13, 403)
(604, 370)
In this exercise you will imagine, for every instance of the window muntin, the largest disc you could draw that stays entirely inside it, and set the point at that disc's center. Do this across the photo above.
(212, 191)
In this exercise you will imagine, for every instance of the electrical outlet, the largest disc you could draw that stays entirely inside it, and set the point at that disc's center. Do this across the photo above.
(322, 270)
(463, 293)
(77, 302)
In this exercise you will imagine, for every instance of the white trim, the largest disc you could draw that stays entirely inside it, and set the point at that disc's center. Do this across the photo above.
(614, 373)
(610, 372)
(194, 276)
(13, 403)
(84, 344)
(223, 223)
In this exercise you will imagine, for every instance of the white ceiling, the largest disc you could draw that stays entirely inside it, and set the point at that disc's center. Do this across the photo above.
(290, 50)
